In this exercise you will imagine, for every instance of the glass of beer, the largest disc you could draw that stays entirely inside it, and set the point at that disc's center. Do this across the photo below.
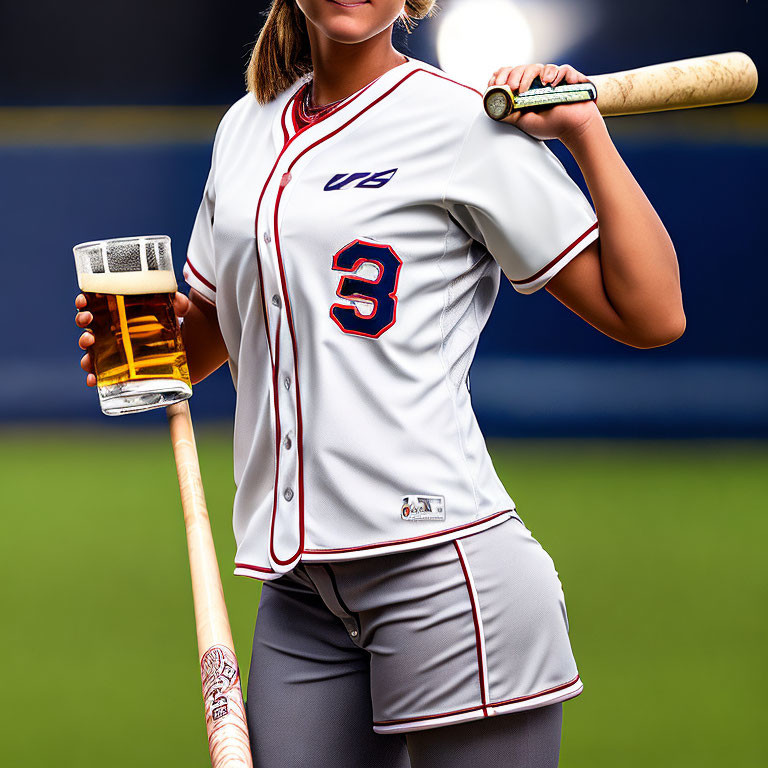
(138, 356)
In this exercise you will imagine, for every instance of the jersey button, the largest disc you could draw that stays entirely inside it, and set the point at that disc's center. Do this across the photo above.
(276, 301)
(287, 382)
(288, 494)
(287, 443)
(285, 179)
(267, 238)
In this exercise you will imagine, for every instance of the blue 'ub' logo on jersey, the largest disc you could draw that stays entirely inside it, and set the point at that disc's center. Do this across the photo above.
(364, 179)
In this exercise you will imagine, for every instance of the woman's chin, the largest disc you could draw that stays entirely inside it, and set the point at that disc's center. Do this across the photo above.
(348, 31)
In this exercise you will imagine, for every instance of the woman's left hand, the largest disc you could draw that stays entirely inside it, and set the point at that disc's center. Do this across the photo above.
(565, 121)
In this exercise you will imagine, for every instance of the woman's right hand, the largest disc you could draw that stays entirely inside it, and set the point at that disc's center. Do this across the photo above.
(84, 318)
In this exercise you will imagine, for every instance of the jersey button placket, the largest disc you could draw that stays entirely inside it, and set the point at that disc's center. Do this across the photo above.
(287, 476)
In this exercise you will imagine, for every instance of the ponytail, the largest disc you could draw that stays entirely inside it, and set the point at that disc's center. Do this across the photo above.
(282, 53)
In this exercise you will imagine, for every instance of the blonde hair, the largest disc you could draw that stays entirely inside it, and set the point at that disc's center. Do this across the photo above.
(282, 54)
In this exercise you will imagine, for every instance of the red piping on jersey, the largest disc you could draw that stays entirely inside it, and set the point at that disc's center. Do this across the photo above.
(474, 709)
(475, 619)
(254, 568)
(424, 537)
(264, 309)
(286, 178)
(199, 276)
(557, 258)
(282, 118)
(278, 436)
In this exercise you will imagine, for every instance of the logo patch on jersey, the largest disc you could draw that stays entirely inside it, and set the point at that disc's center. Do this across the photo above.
(423, 508)
(364, 179)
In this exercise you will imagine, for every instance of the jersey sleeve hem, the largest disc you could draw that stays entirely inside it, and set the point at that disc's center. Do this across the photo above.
(546, 273)
(201, 284)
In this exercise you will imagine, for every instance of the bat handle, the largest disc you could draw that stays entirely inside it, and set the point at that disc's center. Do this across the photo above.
(500, 101)
(225, 718)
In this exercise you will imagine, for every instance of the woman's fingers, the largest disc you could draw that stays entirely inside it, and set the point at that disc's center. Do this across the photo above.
(573, 75)
(521, 77)
(558, 78)
(513, 79)
(86, 340)
(180, 304)
(549, 73)
(500, 76)
(83, 319)
(86, 363)
(528, 76)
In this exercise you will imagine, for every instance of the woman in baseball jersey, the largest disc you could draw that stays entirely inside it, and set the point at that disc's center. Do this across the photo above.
(358, 214)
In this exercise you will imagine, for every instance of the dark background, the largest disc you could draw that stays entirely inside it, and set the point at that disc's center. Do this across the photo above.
(539, 370)
(195, 51)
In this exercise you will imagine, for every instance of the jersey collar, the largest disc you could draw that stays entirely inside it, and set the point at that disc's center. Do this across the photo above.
(285, 129)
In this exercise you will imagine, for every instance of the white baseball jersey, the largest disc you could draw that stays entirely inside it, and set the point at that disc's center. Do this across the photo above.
(353, 264)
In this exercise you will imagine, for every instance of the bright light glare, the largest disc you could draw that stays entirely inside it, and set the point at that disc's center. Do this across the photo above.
(476, 37)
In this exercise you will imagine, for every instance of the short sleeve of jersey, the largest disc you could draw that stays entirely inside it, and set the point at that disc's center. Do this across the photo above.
(199, 269)
(509, 192)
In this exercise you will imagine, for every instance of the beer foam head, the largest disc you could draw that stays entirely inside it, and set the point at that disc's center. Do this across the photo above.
(127, 265)
(128, 282)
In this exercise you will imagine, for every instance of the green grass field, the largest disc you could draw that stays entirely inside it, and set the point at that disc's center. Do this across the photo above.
(661, 548)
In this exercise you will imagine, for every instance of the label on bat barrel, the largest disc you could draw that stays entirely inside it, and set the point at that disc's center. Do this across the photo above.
(221, 678)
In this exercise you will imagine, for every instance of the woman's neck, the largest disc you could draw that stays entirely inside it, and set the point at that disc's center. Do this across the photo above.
(341, 69)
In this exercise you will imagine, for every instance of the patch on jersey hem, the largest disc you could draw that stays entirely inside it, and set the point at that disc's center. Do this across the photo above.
(417, 507)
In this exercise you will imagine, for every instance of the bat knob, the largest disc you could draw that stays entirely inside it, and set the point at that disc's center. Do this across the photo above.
(498, 102)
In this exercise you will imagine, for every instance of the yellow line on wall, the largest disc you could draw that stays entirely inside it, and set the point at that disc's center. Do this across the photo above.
(107, 126)
(743, 124)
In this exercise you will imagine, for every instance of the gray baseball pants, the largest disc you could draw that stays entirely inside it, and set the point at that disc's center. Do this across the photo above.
(454, 654)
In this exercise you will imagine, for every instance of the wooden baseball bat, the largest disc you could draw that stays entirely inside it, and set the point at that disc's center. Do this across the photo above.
(723, 78)
(222, 695)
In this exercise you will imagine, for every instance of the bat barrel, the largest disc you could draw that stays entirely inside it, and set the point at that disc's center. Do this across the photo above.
(723, 78)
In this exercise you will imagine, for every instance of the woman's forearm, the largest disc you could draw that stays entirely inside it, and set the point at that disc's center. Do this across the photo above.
(204, 344)
(639, 264)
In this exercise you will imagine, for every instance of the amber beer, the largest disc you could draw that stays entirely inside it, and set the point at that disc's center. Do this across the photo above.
(138, 355)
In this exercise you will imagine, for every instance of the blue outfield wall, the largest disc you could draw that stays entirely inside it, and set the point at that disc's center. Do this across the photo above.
(539, 369)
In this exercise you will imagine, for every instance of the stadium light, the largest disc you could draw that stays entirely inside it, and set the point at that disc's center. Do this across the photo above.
(476, 37)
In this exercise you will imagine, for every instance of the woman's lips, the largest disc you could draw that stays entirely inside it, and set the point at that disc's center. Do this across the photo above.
(348, 5)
